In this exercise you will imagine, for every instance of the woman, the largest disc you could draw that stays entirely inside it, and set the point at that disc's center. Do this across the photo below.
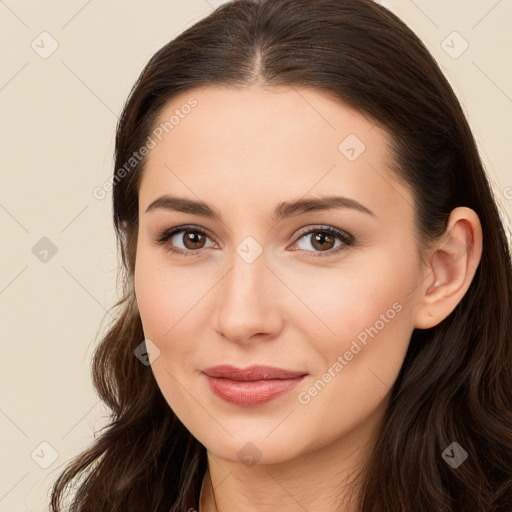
(318, 286)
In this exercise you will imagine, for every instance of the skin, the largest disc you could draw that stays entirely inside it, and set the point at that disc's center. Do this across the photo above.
(245, 152)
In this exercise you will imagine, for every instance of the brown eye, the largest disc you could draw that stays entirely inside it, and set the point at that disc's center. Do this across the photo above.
(193, 240)
(185, 240)
(322, 241)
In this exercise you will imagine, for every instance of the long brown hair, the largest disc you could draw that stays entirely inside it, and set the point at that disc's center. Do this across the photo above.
(455, 384)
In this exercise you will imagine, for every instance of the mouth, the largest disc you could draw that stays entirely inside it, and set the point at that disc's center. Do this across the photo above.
(249, 387)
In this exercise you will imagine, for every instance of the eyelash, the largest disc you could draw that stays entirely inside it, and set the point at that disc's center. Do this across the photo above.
(346, 238)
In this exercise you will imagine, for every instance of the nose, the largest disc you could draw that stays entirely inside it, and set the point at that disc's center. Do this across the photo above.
(247, 302)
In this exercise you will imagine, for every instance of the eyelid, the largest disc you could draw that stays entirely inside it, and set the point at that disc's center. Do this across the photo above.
(347, 240)
(344, 236)
(324, 227)
(166, 234)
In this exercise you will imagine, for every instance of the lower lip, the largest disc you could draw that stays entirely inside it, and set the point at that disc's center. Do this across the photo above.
(251, 393)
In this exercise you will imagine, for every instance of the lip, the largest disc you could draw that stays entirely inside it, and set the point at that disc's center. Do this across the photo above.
(252, 386)
(251, 373)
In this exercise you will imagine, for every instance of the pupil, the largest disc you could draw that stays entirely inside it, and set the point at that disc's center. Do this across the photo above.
(193, 238)
(320, 239)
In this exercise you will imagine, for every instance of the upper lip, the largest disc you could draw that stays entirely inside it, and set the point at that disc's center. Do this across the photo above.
(251, 373)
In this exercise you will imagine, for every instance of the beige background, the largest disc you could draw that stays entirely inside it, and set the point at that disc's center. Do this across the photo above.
(58, 120)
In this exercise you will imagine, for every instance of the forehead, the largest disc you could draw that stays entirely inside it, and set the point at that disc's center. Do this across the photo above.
(257, 144)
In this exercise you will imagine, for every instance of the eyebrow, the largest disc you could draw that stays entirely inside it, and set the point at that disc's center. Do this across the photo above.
(282, 211)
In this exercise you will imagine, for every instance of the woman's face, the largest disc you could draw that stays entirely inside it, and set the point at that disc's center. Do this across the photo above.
(264, 283)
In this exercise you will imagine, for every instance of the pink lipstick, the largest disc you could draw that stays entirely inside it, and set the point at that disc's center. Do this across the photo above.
(252, 386)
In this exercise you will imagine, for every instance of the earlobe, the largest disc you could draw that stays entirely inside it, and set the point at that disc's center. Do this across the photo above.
(450, 269)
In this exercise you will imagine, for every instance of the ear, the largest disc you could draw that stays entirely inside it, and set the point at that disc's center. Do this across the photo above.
(450, 268)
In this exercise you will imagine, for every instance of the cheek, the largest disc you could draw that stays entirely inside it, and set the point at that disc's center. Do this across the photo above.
(366, 327)
(355, 299)
(164, 295)
(360, 334)
(168, 309)
(172, 302)
(155, 306)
